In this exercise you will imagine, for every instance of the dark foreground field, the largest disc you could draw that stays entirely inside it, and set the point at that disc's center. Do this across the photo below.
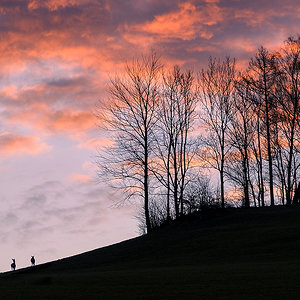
(236, 254)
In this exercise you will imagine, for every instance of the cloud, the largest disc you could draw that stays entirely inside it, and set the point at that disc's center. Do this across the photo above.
(82, 178)
(10, 91)
(55, 54)
(70, 30)
(188, 22)
(35, 201)
(71, 120)
(8, 220)
(52, 5)
(42, 117)
(256, 17)
(54, 105)
(11, 144)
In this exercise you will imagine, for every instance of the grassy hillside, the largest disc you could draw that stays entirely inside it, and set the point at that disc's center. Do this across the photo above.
(235, 254)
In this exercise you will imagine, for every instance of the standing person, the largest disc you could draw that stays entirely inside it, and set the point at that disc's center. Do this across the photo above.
(13, 265)
(32, 261)
(296, 198)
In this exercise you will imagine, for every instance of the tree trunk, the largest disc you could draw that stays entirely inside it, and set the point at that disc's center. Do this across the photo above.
(222, 185)
(168, 183)
(146, 186)
(289, 168)
(246, 184)
(272, 202)
(176, 185)
(260, 166)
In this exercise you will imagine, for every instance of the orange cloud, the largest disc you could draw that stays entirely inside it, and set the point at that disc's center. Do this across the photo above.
(11, 144)
(43, 117)
(82, 178)
(71, 36)
(72, 120)
(186, 23)
(90, 40)
(53, 107)
(10, 91)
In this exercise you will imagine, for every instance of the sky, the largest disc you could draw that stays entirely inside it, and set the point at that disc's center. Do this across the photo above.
(56, 57)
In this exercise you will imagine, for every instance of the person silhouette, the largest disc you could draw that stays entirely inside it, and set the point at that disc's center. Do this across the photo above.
(32, 261)
(13, 265)
(296, 198)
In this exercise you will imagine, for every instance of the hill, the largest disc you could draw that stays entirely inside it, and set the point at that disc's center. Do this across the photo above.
(232, 254)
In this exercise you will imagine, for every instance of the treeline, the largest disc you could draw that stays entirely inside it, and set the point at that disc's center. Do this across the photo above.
(173, 130)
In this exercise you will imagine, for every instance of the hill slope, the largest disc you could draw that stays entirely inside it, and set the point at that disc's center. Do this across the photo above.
(236, 254)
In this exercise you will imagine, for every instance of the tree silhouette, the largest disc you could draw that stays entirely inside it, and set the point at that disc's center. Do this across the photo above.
(129, 114)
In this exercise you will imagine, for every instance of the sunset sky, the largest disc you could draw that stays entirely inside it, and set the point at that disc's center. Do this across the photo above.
(56, 57)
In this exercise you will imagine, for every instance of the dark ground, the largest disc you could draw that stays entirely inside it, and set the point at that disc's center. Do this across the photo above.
(231, 254)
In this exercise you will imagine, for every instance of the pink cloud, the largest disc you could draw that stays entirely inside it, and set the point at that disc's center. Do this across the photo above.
(50, 4)
(72, 120)
(82, 178)
(33, 33)
(11, 144)
(187, 23)
(257, 17)
(75, 41)
(10, 91)
(41, 116)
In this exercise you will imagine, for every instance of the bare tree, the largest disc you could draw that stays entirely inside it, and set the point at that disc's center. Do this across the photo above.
(249, 132)
(241, 134)
(216, 88)
(175, 148)
(130, 116)
(288, 96)
(200, 195)
(258, 154)
(256, 142)
(261, 79)
(157, 214)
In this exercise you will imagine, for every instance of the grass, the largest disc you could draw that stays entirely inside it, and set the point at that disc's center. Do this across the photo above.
(235, 254)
